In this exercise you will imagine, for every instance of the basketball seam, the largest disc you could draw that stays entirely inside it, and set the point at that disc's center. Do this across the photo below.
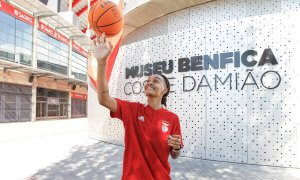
(107, 33)
(103, 14)
(94, 7)
(111, 23)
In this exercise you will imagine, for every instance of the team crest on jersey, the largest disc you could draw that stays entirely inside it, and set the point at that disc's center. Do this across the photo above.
(165, 126)
(141, 118)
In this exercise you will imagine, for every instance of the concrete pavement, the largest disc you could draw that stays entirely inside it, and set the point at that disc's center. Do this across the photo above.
(60, 150)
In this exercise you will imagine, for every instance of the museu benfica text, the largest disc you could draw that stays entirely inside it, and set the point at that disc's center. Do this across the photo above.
(206, 62)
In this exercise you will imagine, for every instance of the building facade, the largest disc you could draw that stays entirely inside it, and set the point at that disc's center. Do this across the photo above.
(43, 70)
(234, 71)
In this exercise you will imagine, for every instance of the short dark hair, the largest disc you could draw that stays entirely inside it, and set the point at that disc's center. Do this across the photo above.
(164, 98)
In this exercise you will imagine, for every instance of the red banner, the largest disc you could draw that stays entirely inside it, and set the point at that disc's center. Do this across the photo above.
(79, 49)
(78, 96)
(50, 31)
(16, 13)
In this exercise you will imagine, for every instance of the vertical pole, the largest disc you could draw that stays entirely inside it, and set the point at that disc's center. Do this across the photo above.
(70, 5)
(34, 42)
(34, 65)
(70, 76)
(70, 103)
(88, 33)
(33, 100)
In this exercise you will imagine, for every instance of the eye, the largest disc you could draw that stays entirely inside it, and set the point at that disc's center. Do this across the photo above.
(156, 81)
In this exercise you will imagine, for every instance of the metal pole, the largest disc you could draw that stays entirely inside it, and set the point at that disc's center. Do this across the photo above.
(70, 5)
(88, 23)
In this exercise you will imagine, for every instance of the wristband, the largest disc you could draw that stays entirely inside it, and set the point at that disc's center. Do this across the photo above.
(175, 150)
(101, 64)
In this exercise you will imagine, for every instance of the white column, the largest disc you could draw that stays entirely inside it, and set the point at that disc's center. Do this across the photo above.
(33, 100)
(69, 104)
(70, 59)
(70, 5)
(34, 65)
(70, 76)
(35, 40)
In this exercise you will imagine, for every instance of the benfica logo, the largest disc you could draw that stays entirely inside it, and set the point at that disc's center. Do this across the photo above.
(165, 126)
(16, 12)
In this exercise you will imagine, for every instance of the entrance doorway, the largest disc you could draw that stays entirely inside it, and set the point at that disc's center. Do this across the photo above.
(51, 104)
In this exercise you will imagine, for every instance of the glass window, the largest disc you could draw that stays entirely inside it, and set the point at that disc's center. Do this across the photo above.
(19, 33)
(23, 26)
(27, 51)
(27, 37)
(64, 54)
(43, 43)
(10, 30)
(42, 57)
(16, 39)
(79, 66)
(11, 39)
(52, 51)
(19, 49)
(10, 47)
(42, 50)
(27, 44)
(54, 42)
(43, 36)
(53, 55)
(7, 19)
(3, 36)
(19, 42)
(64, 47)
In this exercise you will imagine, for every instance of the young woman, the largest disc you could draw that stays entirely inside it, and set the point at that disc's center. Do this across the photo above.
(152, 133)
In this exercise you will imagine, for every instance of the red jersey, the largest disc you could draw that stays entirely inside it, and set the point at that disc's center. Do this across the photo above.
(146, 134)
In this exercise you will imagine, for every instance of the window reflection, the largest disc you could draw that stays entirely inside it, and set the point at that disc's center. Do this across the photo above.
(15, 40)
(79, 66)
(52, 54)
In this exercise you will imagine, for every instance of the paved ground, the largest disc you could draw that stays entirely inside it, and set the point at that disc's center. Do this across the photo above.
(60, 150)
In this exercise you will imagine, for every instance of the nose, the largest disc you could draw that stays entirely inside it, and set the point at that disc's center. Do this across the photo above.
(148, 83)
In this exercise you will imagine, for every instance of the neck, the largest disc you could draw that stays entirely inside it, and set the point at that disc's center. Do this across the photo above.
(154, 102)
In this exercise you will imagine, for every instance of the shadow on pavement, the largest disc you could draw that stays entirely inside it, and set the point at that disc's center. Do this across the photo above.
(104, 161)
(97, 161)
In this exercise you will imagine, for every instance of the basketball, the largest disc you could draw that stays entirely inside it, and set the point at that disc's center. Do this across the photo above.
(105, 16)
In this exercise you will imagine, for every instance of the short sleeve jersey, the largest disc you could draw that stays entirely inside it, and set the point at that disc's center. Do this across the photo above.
(146, 134)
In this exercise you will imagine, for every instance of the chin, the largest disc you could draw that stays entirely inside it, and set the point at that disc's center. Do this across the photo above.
(149, 94)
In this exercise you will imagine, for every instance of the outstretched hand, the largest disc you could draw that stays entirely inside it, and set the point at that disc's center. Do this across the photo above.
(174, 141)
(102, 48)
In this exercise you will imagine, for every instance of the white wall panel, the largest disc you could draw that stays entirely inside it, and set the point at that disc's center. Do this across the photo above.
(272, 138)
(252, 124)
(226, 104)
(203, 15)
(190, 106)
(262, 7)
(230, 10)
(290, 5)
(179, 20)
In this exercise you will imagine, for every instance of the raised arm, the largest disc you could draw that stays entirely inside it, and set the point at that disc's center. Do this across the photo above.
(101, 52)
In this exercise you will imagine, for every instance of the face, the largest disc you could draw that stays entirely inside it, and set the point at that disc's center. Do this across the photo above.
(155, 86)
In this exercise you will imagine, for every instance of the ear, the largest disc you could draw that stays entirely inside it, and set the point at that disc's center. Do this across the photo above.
(165, 91)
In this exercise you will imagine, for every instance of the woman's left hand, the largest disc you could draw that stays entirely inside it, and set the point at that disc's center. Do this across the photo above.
(174, 141)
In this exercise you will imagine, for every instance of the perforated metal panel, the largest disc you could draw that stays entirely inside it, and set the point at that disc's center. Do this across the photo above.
(226, 104)
(15, 103)
(271, 135)
(234, 119)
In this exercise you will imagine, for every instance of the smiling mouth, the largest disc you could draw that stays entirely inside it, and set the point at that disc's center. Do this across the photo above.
(149, 87)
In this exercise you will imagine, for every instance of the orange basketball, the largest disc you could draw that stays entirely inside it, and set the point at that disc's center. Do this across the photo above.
(105, 16)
